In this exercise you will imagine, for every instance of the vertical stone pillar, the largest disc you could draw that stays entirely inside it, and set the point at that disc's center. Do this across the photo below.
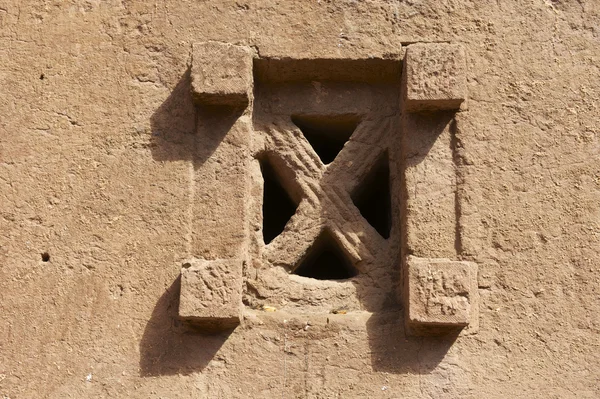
(211, 282)
(440, 293)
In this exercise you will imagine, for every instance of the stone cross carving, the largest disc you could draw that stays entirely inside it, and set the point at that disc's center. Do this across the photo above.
(389, 132)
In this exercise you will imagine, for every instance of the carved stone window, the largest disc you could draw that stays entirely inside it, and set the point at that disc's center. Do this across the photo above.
(334, 187)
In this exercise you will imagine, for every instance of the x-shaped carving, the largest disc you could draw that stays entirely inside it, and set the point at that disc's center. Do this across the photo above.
(325, 191)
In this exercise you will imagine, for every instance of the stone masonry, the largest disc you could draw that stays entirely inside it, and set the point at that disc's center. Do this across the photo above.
(299, 199)
(423, 193)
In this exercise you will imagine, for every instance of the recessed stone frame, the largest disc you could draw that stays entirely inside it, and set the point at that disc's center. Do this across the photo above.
(337, 175)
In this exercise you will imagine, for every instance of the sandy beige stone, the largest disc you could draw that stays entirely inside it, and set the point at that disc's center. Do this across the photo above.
(219, 190)
(441, 292)
(434, 76)
(107, 166)
(221, 74)
(211, 292)
(429, 192)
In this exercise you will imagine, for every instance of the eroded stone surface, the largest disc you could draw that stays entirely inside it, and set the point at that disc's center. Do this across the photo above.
(219, 218)
(434, 76)
(88, 176)
(211, 292)
(429, 197)
(221, 74)
(315, 97)
(441, 292)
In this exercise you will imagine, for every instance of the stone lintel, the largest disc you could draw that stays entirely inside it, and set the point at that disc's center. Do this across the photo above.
(391, 50)
(434, 77)
(211, 292)
(441, 295)
(221, 74)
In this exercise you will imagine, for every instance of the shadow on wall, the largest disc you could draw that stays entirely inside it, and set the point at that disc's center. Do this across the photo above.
(174, 124)
(170, 346)
(392, 349)
(184, 131)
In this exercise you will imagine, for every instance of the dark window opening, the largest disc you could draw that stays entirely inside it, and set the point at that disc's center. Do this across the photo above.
(325, 260)
(327, 134)
(373, 197)
(278, 207)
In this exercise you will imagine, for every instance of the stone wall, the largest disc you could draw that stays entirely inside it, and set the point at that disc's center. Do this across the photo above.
(132, 187)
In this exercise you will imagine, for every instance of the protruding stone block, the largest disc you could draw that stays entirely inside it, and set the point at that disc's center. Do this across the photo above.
(441, 294)
(211, 292)
(434, 77)
(221, 74)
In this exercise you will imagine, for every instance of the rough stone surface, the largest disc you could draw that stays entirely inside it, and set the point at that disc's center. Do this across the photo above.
(435, 76)
(211, 292)
(430, 183)
(219, 184)
(100, 154)
(441, 292)
(368, 102)
(221, 74)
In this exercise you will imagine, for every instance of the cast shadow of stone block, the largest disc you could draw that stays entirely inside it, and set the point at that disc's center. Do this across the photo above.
(173, 124)
(183, 130)
(170, 346)
(422, 130)
(393, 348)
(393, 351)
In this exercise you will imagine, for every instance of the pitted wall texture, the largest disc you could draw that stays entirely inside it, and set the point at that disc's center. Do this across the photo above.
(108, 167)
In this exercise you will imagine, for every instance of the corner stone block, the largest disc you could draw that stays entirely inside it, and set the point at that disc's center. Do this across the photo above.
(442, 294)
(434, 77)
(221, 74)
(211, 292)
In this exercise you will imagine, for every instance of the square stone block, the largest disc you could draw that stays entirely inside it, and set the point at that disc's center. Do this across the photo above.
(434, 77)
(221, 74)
(211, 292)
(441, 292)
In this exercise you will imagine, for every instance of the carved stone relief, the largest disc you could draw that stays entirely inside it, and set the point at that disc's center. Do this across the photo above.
(335, 188)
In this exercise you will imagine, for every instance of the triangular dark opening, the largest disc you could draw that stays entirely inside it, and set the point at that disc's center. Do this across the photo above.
(278, 207)
(327, 134)
(373, 197)
(325, 260)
